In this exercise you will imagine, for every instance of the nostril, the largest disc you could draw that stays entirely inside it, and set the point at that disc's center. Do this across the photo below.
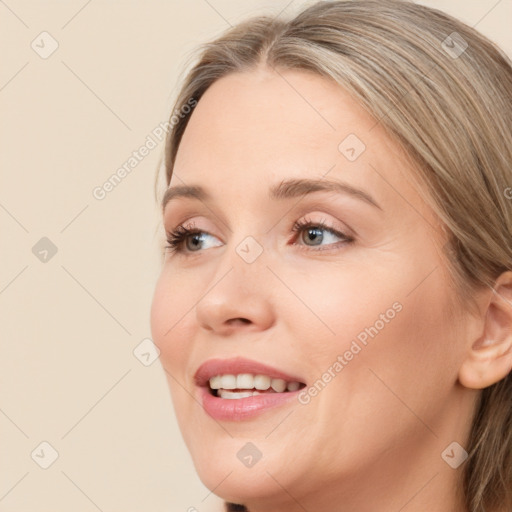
(239, 320)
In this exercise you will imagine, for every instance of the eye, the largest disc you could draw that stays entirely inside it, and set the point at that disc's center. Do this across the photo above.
(190, 239)
(190, 236)
(315, 233)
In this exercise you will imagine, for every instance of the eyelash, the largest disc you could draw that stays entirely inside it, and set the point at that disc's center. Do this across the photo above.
(176, 237)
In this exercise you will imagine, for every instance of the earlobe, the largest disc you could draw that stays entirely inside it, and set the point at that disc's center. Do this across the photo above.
(489, 359)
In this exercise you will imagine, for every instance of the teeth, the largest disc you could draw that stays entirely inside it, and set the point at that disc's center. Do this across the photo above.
(249, 382)
(223, 393)
(245, 381)
(262, 382)
(228, 381)
(216, 382)
(293, 386)
(278, 385)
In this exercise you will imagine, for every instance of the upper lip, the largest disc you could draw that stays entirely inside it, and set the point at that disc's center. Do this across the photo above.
(237, 365)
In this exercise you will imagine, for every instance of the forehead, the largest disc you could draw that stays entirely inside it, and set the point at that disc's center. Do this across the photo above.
(271, 114)
(253, 129)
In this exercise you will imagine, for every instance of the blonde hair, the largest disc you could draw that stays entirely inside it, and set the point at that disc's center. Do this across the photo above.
(444, 92)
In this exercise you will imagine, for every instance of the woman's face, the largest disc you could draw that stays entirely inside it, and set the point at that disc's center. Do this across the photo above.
(352, 303)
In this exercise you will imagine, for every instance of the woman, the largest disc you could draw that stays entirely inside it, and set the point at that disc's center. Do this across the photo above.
(334, 311)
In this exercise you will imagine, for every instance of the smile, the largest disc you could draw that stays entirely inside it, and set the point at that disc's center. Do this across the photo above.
(237, 389)
(245, 384)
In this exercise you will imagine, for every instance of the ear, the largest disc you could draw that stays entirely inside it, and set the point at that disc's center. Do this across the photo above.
(489, 359)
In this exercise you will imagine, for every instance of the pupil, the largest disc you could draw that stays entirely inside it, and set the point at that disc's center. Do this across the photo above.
(195, 240)
(315, 234)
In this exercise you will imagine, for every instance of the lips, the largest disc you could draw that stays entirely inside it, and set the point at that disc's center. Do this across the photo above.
(233, 402)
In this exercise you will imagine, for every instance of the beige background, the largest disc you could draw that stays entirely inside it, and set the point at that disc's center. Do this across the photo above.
(70, 324)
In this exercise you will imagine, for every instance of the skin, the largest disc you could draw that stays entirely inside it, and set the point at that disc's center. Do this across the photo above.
(372, 438)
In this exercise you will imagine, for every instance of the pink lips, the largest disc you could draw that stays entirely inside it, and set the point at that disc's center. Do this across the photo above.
(241, 408)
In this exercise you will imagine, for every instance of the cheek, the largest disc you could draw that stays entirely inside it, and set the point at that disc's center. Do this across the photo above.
(391, 329)
(171, 331)
(398, 362)
(338, 304)
(169, 318)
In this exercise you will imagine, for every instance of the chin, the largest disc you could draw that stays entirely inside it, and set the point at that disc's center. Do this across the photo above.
(234, 470)
(242, 485)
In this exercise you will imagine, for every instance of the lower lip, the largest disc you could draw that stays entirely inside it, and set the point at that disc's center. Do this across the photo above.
(236, 409)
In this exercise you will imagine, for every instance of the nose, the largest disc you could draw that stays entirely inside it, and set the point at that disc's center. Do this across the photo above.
(238, 297)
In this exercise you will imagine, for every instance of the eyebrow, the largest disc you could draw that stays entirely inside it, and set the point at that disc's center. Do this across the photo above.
(286, 189)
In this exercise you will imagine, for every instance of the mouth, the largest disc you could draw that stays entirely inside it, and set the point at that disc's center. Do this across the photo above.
(244, 385)
(234, 389)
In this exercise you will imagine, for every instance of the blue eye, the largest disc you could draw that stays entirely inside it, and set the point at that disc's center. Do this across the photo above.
(190, 239)
(314, 232)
